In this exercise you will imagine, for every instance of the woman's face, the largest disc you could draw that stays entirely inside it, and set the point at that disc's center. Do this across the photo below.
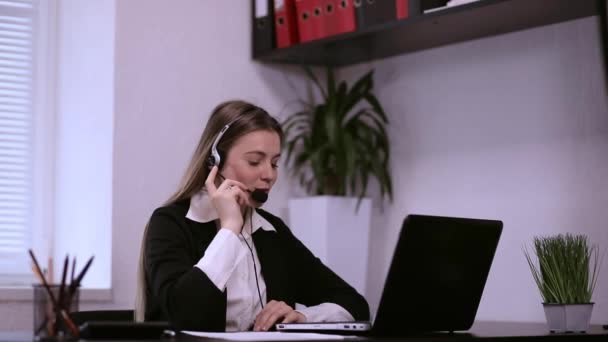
(253, 160)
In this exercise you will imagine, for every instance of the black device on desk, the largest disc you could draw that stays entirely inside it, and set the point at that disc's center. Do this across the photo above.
(435, 282)
(124, 330)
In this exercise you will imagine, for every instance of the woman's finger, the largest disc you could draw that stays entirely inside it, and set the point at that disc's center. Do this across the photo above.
(292, 317)
(261, 316)
(243, 197)
(273, 316)
(234, 191)
(276, 316)
(232, 182)
(210, 181)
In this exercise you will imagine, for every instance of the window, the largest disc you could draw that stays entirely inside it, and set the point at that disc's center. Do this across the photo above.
(23, 94)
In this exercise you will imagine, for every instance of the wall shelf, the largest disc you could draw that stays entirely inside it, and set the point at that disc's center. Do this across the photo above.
(455, 24)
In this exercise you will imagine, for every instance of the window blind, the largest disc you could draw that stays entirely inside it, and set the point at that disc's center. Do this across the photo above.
(17, 77)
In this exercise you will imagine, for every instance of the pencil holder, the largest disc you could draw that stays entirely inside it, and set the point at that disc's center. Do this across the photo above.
(49, 322)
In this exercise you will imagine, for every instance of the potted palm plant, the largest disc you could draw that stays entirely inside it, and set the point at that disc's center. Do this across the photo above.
(565, 273)
(334, 147)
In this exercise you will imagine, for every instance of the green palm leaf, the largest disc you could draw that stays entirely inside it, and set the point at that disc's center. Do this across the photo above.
(334, 149)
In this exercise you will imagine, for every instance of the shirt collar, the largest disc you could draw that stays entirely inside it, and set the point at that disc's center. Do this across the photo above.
(202, 210)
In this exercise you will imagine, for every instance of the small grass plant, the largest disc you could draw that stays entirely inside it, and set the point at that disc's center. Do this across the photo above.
(567, 268)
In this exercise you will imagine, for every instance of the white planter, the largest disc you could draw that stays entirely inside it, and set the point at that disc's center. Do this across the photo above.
(331, 228)
(568, 318)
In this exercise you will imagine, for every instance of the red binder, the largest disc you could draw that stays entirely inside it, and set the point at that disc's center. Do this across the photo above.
(402, 9)
(341, 18)
(304, 17)
(318, 21)
(286, 26)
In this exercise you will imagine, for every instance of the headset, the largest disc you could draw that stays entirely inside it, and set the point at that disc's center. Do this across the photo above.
(216, 160)
(258, 195)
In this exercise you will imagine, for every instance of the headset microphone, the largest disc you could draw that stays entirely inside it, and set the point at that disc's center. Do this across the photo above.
(259, 196)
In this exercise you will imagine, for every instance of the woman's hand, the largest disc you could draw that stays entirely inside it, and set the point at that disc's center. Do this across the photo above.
(228, 199)
(274, 312)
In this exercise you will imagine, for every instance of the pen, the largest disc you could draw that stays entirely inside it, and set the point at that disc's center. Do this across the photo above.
(73, 270)
(76, 282)
(50, 270)
(62, 286)
(74, 285)
(61, 300)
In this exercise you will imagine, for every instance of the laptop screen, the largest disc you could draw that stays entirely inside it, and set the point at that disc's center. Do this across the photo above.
(437, 274)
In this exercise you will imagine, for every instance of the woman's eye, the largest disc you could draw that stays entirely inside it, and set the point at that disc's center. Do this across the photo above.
(275, 166)
(254, 163)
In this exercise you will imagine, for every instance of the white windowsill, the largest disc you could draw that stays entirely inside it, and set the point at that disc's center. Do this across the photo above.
(26, 294)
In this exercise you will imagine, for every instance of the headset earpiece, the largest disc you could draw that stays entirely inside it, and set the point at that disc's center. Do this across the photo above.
(215, 159)
(211, 162)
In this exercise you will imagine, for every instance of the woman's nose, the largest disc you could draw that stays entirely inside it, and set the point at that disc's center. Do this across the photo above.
(267, 173)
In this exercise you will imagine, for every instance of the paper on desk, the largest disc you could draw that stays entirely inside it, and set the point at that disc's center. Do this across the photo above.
(265, 336)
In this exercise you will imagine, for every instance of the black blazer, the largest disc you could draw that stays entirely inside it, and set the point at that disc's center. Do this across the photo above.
(184, 295)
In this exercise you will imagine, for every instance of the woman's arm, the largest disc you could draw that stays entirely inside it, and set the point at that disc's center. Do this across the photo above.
(315, 284)
(188, 298)
(319, 285)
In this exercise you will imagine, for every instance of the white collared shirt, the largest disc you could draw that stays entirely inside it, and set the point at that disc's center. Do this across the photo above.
(228, 263)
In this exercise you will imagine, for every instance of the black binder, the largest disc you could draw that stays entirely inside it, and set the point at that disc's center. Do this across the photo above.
(415, 7)
(262, 16)
(373, 12)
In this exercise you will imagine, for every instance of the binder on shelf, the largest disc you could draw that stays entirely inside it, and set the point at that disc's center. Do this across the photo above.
(286, 26)
(318, 21)
(304, 18)
(403, 9)
(262, 30)
(408, 8)
(339, 17)
(373, 12)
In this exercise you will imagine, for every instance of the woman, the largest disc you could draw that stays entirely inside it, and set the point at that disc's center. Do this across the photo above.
(213, 260)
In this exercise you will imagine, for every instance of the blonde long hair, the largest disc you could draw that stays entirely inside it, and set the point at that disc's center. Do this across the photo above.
(245, 118)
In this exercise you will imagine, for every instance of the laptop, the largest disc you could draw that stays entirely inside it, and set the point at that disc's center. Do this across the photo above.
(435, 281)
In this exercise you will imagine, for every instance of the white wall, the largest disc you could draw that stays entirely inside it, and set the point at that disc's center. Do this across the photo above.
(513, 127)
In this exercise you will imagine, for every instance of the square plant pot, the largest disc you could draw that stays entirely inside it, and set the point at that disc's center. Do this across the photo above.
(568, 318)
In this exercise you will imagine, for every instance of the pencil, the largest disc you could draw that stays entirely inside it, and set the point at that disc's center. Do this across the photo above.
(63, 275)
(68, 321)
(44, 283)
(76, 282)
(65, 317)
(73, 270)
(51, 270)
(37, 274)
